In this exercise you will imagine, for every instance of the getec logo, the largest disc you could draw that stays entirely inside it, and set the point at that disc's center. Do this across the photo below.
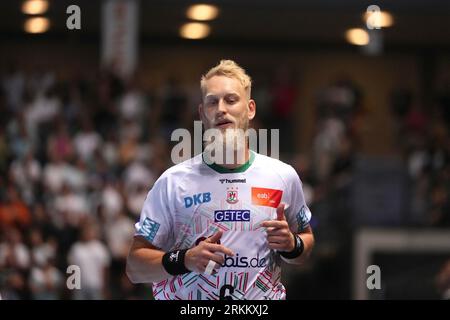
(238, 261)
(231, 215)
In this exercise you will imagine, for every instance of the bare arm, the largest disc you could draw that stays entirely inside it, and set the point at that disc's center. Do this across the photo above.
(308, 242)
(144, 262)
(279, 237)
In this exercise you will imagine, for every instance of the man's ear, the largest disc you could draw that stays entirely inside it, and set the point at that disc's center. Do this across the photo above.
(251, 109)
(200, 112)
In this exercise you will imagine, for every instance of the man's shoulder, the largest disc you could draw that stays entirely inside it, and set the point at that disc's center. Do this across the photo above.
(188, 166)
(282, 168)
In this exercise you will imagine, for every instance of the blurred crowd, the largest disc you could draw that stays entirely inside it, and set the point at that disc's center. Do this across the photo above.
(77, 159)
(78, 156)
(423, 136)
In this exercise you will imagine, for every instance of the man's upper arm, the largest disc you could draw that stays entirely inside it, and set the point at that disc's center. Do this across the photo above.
(307, 230)
(156, 220)
(139, 242)
(298, 214)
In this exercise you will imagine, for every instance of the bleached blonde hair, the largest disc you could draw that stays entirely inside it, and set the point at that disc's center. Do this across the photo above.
(230, 69)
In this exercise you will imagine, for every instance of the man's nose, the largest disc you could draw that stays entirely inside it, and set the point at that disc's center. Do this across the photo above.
(221, 107)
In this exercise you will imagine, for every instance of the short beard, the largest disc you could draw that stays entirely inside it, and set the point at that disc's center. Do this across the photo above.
(227, 146)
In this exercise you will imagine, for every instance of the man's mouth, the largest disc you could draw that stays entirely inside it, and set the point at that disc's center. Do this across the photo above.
(222, 124)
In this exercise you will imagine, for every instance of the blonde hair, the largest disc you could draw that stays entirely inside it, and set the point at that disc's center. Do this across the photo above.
(230, 69)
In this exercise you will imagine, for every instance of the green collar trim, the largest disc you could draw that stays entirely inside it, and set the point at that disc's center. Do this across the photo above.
(242, 168)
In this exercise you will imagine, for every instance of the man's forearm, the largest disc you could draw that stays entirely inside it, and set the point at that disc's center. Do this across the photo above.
(144, 265)
(308, 244)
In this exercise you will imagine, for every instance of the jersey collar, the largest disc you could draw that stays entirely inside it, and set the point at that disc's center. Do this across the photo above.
(239, 169)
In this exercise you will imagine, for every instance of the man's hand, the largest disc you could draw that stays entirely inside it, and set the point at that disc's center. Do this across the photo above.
(198, 257)
(278, 234)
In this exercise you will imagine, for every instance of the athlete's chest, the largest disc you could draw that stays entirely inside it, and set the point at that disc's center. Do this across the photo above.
(230, 197)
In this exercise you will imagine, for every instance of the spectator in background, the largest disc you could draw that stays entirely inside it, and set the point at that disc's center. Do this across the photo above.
(137, 174)
(4, 151)
(42, 251)
(173, 107)
(60, 143)
(40, 113)
(284, 96)
(263, 94)
(132, 103)
(13, 84)
(93, 258)
(443, 281)
(13, 286)
(14, 254)
(72, 206)
(45, 281)
(26, 174)
(111, 201)
(13, 212)
(327, 141)
(104, 107)
(87, 141)
(54, 173)
(118, 233)
(135, 197)
(21, 142)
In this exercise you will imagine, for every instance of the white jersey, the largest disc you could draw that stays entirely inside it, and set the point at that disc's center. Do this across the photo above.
(193, 200)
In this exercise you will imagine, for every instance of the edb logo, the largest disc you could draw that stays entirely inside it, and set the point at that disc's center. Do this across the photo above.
(266, 197)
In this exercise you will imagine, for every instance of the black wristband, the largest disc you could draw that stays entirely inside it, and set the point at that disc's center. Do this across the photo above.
(298, 249)
(173, 262)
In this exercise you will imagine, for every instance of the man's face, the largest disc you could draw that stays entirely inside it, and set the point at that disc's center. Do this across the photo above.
(226, 105)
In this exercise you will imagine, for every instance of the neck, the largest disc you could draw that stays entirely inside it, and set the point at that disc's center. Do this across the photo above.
(240, 158)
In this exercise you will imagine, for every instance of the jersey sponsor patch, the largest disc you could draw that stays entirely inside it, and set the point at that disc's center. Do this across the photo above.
(149, 229)
(244, 261)
(197, 199)
(266, 197)
(302, 219)
(231, 215)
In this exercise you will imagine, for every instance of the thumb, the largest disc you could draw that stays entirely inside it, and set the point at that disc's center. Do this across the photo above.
(280, 212)
(215, 237)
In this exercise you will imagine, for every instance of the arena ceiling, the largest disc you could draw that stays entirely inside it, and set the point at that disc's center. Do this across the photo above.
(276, 22)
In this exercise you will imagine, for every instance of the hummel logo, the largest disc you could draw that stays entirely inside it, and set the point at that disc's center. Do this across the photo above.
(222, 181)
(174, 256)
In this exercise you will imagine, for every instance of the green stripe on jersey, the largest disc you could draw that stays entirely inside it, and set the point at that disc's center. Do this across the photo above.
(242, 168)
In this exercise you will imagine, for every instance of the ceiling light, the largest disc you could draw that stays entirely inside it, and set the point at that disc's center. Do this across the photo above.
(378, 19)
(202, 12)
(357, 36)
(36, 25)
(194, 30)
(34, 6)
